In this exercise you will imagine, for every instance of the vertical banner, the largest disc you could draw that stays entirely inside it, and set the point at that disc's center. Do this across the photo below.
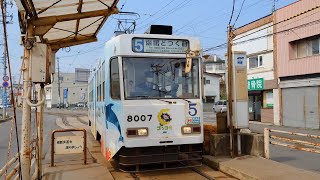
(240, 91)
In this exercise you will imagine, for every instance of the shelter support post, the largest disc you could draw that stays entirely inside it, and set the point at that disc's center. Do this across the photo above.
(40, 131)
(26, 114)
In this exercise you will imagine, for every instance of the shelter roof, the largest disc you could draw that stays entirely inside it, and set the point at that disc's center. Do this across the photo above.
(63, 23)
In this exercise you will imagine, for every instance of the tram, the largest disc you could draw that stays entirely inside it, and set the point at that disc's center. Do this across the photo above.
(144, 101)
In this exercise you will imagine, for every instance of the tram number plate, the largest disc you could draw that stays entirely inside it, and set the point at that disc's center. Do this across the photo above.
(137, 118)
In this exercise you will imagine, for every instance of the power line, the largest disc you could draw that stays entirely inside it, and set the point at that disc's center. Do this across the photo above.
(175, 9)
(239, 12)
(297, 15)
(292, 17)
(233, 4)
(217, 24)
(209, 19)
(158, 11)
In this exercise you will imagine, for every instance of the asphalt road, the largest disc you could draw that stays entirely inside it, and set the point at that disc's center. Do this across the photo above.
(300, 159)
(49, 125)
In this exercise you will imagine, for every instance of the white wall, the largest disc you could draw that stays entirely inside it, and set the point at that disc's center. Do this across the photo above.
(257, 45)
(262, 47)
(212, 89)
(276, 107)
(212, 68)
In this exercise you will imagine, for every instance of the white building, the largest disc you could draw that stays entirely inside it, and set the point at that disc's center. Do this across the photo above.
(73, 89)
(212, 87)
(262, 80)
(214, 74)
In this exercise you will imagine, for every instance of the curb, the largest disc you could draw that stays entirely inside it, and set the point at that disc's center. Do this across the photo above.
(5, 120)
(217, 163)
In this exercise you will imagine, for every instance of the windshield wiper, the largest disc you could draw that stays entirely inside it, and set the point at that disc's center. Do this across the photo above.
(186, 100)
(170, 102)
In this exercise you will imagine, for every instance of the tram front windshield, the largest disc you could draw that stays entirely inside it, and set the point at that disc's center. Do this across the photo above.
(154, 78)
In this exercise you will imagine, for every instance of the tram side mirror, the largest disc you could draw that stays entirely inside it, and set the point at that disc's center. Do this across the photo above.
(189, 55)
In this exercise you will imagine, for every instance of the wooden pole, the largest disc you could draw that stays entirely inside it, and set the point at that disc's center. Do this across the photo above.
(230, 89)
(266, 143)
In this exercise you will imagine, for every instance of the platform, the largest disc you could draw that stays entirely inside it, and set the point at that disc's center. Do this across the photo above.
(253, 168)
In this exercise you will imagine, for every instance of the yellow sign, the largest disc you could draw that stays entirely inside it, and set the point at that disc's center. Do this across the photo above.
(164, 117)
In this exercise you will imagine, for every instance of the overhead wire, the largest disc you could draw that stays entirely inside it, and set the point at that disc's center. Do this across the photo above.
(217, 23)
(239, 12)
(174, 9)
(233, 4)
(287, 19)
(163, 7)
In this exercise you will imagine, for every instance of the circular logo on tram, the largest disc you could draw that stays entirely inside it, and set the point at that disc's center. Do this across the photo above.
(164, 117)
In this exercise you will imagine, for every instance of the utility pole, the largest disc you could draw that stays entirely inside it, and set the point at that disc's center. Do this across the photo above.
(4, 93)
(273, 6)
(59, 83)
(4, 58)
(230, 89)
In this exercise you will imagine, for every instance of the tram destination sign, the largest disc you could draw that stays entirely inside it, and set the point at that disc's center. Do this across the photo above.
(170, 46)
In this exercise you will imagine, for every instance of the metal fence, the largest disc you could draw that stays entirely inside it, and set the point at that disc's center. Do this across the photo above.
(289, 142)
(8, 166)
(13, 166)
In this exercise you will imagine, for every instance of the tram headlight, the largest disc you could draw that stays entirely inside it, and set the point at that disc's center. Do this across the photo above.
(186, 130)
(135, 132)
(191, 129)
(142, 132)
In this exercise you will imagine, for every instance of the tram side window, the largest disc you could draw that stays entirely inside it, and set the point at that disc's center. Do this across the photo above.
(103, 81)
(114, 79)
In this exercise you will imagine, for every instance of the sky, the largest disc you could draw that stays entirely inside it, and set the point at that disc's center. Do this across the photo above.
(205, 19)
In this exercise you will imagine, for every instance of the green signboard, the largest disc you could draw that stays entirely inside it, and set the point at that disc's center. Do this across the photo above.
(256, 84)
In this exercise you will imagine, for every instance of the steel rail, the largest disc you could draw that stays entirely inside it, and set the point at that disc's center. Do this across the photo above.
(202, 173)
(295, 147)
(296, 141)
(293, 133)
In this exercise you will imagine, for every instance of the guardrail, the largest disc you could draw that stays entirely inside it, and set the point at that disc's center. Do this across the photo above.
(15, 170)
(69, 130)
(315, 147)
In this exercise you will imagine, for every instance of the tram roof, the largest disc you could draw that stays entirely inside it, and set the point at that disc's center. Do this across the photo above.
(64, 23)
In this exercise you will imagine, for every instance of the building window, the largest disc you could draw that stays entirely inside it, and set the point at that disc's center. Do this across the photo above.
(306, 47)
(114, 79)
(220, 66)
(207, 81)
(256, 61)
(209, 67)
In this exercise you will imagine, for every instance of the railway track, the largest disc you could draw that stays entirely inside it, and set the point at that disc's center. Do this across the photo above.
(135, 176)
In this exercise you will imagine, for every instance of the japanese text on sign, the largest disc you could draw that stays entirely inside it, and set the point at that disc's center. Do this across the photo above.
(68, 144)
(256, 84)
(171, 46)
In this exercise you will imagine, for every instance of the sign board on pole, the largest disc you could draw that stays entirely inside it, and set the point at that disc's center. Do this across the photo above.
(68, 144)
(5, 78)
(5, 84)
(240, 92)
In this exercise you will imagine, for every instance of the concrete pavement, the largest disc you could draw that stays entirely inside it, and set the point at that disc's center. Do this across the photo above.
(71, 166)
(253, 168)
